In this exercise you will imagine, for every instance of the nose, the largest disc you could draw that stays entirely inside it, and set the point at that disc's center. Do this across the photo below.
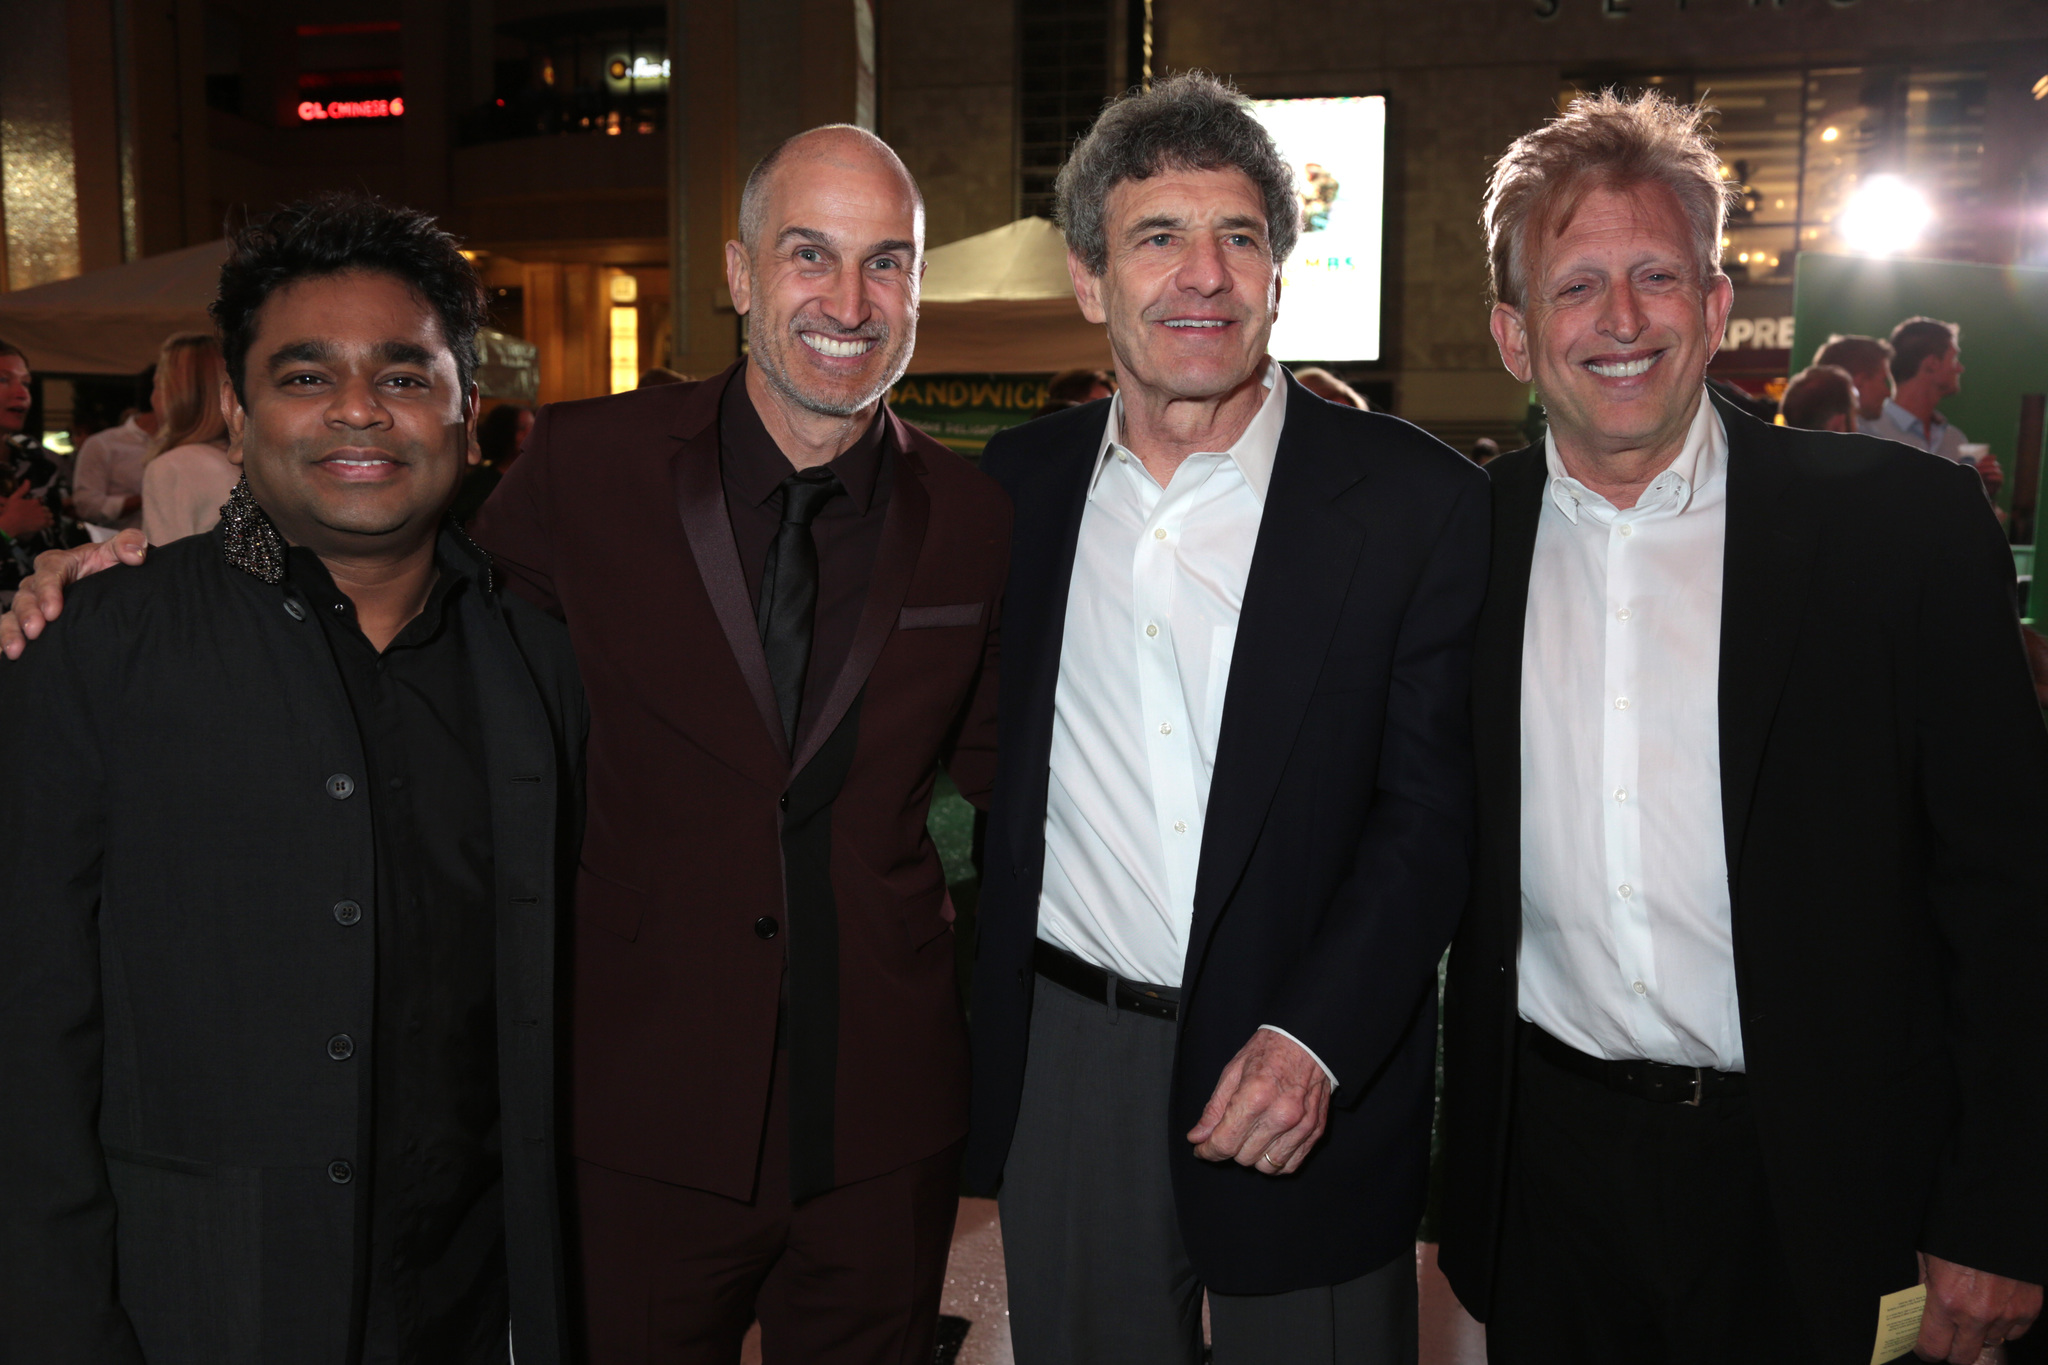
(1202, 270)
(1623, 318)
(355, 404)
(845, 300)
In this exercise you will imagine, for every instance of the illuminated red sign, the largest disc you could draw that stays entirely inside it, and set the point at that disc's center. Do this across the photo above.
(311, 110)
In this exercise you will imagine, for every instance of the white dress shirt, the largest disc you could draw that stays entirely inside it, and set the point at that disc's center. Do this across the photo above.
(1938, 436)
(183, 490)
(1152, 610)
(109, 473)
(1627, 948)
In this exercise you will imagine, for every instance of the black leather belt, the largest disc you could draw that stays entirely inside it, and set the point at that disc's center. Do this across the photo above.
(1657, 1082)
(1062, 968)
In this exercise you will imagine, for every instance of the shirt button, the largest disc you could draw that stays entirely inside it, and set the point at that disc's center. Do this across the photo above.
(1166, 727)
(341, 786)
(293, 609)
(1621, 703)
(1621, 793)
(1159, 533)
(1180, 827)
(766, 927)
(347, 913)
(340, 1172)
(1151, 630)
(398, 784)
(1623, 614)
(341, 1047)
(1626, 890)
(1627, 529)
(1122, 458)
(1641, 989)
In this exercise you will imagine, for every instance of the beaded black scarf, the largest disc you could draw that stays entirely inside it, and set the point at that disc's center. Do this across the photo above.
(248, 539)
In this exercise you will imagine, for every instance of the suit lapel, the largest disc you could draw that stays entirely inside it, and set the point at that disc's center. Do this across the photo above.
(1049, 512)
(1768, 562)
(1300, 573)
(1519, 480)
(903, 527)
(700, 502)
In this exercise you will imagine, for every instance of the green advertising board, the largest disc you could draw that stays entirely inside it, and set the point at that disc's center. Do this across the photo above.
(963, 410)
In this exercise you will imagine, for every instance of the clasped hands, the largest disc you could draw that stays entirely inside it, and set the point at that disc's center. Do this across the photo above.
(1269, 1108)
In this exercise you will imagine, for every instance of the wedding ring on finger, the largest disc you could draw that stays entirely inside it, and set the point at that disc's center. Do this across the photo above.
(1276, 1162)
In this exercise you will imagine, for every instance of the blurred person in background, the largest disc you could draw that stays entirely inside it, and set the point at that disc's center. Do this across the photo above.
(661, 374)
(1927, 366)
(1485, 451)
(1325, 385)
(32, 483)
(1869, 363)
(1820, 398)
(189, 475)
(1079, 386)
(500, 436)
(107, 489)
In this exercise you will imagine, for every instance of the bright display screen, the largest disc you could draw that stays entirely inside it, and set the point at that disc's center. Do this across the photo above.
(1330, 295)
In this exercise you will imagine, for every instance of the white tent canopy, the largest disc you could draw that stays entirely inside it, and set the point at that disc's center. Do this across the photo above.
(112, 321)
(1002, 303)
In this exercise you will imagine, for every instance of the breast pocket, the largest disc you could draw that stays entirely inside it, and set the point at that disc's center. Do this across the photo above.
(935, 618)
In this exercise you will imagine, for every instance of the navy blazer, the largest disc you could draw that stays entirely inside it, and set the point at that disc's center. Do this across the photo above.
(1335, 858)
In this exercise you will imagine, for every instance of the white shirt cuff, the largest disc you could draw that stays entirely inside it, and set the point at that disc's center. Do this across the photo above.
(1305, 1048)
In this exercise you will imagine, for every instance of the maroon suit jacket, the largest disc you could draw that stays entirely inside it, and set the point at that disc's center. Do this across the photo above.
(614, 518)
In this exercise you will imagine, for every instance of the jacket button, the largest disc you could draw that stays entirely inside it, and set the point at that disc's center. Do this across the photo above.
(293, 609)
(340, 1172)
(341, 786)
(341, 1047)
(766, 927)
(347, 913)
(782, 801)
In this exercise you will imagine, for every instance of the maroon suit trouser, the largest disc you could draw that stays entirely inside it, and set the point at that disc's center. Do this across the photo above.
(675, 1276)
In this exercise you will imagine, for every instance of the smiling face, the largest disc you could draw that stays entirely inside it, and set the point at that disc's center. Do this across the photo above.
(1191, 290)
(14, 394)
(830, 289)
(1617, 325)
(357, 427)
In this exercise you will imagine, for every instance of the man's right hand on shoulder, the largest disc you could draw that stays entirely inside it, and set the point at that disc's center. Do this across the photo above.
(40, 598)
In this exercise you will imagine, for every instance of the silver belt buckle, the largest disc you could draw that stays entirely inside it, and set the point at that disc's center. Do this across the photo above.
(1699, 1087)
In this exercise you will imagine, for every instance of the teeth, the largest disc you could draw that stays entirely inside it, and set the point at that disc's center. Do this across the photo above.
(1196, 322)
(825, 345)
(362, 464)
(1626, 370)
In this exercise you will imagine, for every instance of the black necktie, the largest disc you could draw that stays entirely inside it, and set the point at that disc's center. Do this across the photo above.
(789, 590)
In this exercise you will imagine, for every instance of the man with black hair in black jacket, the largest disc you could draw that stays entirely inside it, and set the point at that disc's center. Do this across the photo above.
(276, 1012)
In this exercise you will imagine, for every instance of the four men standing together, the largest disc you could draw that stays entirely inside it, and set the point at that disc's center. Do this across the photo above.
(1745, 1021)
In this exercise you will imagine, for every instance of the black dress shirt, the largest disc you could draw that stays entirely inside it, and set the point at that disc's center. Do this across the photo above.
(848, 532)
(436, 1228)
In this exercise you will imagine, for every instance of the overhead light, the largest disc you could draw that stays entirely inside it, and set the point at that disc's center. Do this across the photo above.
(1884, 217)
(1830, 134)
(2041, 88)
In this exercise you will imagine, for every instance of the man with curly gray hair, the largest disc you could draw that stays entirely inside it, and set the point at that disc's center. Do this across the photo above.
(1227, 843)
(1744, 1031)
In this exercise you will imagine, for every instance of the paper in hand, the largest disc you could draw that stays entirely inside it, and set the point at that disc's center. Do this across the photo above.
(1898, 1323)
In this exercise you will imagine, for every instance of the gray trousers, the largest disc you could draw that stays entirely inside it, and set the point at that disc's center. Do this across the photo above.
(1097, 1271)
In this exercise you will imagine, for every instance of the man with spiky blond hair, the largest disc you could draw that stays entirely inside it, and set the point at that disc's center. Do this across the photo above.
(1745, 1033)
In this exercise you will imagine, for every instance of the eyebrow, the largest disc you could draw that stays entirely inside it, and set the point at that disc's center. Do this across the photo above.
(316, 352)
(817, 238)
(1237, 222)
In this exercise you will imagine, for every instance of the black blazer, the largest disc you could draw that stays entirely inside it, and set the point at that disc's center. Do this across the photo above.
(172, 964)
(1335, 859)
(1884, 790)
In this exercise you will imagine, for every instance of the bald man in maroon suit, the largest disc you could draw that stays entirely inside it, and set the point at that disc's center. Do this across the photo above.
(768, 1061)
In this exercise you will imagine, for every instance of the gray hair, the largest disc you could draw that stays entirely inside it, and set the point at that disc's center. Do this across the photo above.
(754, 198)
(1602, 141)
(1190, 121)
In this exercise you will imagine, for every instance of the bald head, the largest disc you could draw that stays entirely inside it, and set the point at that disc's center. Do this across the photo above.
(836, 149)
